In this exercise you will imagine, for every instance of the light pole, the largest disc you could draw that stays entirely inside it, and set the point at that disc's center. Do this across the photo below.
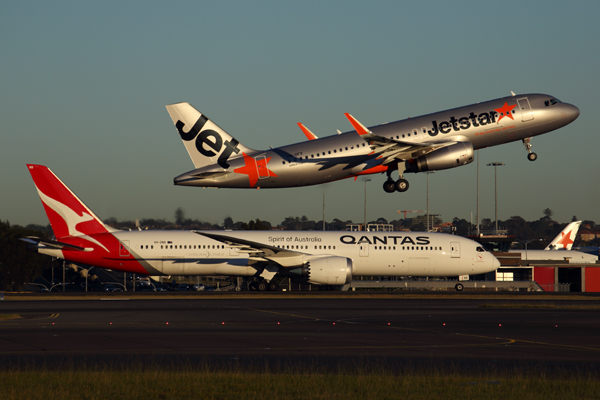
(323, 210)
(478, 232)
(526, 242)
(496, 165)
(365, 226)
(87, 272)
(428, 199)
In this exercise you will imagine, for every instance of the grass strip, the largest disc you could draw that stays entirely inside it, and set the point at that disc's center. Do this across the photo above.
(542, 306)
(207, 383)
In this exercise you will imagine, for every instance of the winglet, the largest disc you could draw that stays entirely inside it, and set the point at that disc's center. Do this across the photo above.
(358, 127)
(307, 132)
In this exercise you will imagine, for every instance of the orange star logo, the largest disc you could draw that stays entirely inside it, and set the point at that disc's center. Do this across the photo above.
(255, 169)
(565, 240)
(505, 111)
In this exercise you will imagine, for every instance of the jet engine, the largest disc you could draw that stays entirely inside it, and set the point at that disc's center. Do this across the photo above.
(451, 156)
(328, 271)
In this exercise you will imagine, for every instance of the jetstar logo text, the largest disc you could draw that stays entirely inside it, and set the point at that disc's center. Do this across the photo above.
(458, 124)
(392, 240)
(210, 138)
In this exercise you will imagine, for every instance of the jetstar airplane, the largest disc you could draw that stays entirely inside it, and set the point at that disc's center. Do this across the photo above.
(442, 140)
(564, 240)
(330, 258)
(560, 248)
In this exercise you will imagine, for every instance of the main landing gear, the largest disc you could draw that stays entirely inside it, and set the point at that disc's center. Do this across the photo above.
(262, 285)
(401, 185)
(531, 156)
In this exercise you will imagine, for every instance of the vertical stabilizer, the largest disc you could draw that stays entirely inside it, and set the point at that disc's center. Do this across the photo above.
(565, 239)
(205, 142)
(67, 214)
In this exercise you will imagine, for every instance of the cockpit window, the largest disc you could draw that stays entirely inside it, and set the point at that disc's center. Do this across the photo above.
(552, 102)
(480, 249)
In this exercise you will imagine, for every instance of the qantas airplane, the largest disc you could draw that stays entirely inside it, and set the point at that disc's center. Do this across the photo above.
(328, 258)
(442, 140)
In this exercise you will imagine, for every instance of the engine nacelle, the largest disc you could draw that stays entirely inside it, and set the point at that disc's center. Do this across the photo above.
(451, 156)
(329, 271)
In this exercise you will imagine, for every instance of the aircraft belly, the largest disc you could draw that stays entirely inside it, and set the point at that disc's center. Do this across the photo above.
(419, 266)
(171, 266)
(204, 266)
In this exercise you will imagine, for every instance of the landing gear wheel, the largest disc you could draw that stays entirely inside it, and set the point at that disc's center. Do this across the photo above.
(532, 156)
(459, 287)
(401, 185)
(389, 186)
(273, 286)
(253, 286)
(261, 286)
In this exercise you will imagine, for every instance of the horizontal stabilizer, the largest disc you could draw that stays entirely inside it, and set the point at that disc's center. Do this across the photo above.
(52, 244)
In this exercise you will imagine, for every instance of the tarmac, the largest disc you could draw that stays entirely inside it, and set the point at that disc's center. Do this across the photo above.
(458, 331)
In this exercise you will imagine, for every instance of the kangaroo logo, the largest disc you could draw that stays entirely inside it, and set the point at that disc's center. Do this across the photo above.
(210, 138)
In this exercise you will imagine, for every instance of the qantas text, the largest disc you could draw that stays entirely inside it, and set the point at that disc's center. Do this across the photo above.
(420, 240)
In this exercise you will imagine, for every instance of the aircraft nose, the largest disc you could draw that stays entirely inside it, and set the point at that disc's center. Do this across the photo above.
(495, 262)
(572, 112)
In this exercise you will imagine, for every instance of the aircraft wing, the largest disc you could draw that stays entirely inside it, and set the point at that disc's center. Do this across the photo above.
(51, 243)
(283, 257)
(393, 150)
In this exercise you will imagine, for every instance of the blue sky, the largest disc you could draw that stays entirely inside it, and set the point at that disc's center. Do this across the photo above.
(84, 88)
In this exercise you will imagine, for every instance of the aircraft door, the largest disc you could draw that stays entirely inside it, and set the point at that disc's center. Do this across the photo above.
(124, 248)
(455, 246)
(261, 166)
(525, 107)
(364, 250)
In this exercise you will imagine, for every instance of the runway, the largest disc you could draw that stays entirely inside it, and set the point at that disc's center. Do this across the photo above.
(457, 331)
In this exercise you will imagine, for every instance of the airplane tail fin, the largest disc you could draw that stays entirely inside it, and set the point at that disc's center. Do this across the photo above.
(67, 214)
(205, 142)
(565, 239)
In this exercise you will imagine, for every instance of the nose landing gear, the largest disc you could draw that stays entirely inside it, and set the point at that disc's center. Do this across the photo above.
(531, 156)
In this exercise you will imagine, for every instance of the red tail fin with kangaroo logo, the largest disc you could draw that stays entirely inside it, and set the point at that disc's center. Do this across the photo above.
(67, 214)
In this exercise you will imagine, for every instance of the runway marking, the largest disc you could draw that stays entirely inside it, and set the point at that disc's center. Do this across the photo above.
(279, 313)
(509, 340)
(569, 346)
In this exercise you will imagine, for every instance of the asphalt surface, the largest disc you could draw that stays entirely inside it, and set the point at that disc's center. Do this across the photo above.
(454, 332)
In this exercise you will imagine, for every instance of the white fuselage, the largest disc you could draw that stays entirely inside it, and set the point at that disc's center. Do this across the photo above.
(574, 257)
(371, 253)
